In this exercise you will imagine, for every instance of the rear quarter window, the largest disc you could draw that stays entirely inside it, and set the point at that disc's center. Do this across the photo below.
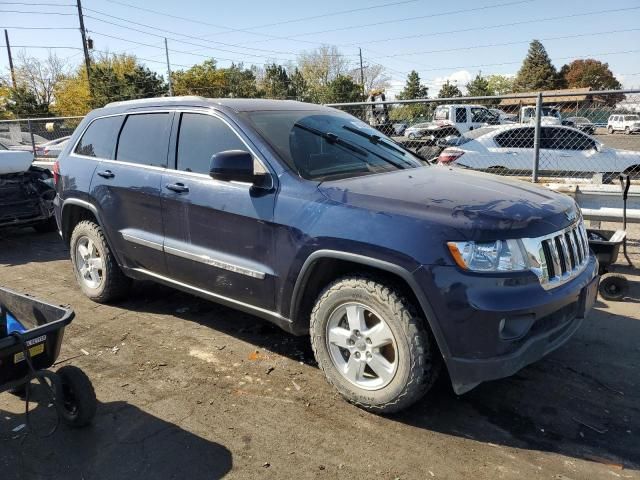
(99, 140)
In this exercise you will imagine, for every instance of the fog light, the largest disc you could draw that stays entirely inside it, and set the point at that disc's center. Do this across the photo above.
(513, 328)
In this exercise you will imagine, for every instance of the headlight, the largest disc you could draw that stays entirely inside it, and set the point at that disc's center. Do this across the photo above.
(498, 256)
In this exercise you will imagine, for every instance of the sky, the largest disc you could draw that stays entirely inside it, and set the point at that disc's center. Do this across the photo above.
(441, 40)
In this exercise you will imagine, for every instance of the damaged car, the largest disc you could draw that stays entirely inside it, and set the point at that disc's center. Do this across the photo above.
(26, 192)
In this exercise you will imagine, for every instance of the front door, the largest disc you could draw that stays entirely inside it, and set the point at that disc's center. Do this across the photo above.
(127, 190)
(218, 235)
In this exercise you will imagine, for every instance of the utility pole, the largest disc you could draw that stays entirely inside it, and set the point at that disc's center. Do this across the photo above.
(364, 95)
(166, 50)
(13, 73)
(85, 47)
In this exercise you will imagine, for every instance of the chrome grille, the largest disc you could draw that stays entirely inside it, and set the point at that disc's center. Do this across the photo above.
(560, 256)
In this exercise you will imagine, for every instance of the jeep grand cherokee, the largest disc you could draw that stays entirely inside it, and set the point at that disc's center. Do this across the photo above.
(309, 218)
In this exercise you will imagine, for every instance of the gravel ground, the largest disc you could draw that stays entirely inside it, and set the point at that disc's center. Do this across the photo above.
(189, 389)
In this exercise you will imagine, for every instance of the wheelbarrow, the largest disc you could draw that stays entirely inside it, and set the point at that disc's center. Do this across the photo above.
(31, 334)
(606, 245)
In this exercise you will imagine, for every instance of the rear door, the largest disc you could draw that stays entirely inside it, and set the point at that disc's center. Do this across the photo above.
(218, 234)
(575, 152)
(127, 190)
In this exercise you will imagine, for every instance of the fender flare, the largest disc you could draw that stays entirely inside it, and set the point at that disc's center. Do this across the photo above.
(403, 273)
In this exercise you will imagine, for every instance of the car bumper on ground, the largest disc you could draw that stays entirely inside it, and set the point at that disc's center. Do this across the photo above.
(492, 326)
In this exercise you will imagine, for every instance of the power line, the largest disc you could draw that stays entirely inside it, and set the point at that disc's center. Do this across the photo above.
(44, 46)
(181, 34)
(564, 37)
(249, 29)
(30, 4)
(486, 27)
(31, 12)
(39, 28)
(405, 19)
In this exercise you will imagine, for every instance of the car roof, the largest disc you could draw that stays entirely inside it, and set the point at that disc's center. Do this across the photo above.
(235, 104)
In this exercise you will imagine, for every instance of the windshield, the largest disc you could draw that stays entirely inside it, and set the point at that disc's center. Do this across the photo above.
(322, 145)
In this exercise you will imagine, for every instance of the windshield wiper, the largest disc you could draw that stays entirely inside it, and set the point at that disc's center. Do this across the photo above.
(375, 139)
(332, 138)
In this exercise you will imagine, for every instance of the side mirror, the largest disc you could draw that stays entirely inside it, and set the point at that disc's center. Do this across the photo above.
(232, 166)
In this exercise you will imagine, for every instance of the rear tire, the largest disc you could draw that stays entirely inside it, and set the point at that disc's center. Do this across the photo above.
(610, 130)
(613, 286)
(78, 405)
(627, 131)
(96, 269)
(388, 363)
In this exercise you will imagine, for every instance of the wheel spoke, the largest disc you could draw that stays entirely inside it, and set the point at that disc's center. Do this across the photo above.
(96, 263)
(381, 366)
(94, 276)
(83, 271)
(380, 335)
(84, 252)
(354, 369)
(91, 247)
(339, 336)
(355, 317)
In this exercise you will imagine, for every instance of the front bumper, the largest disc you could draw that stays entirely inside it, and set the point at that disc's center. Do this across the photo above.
(491, 326)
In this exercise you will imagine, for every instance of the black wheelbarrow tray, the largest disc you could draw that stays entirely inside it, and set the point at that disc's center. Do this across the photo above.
(25, 356)
(606, 246)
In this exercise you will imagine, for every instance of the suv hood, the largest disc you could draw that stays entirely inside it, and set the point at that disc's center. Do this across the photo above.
(478, 206)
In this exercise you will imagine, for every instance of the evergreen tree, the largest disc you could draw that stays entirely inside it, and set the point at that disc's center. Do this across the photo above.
(449, 90)
(276, 81)
(537, 72)
(479, 87)
(343, 89)
(413, 88)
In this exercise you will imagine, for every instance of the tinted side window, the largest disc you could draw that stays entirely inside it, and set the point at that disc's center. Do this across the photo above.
(563, 139)
(144, 139)
(515, 138)
(99, 140)
(202, 136)
(480, 115)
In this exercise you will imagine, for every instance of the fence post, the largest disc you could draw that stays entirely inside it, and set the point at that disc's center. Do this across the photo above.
(33, 142)
(536, 139)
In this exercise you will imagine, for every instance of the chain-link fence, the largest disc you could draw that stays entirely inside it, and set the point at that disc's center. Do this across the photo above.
(569, 135)
(45, 137)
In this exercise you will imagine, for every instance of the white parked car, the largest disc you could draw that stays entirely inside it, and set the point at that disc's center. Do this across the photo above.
(509, 148)
(505, 118)
(624, 123)
(53, 148)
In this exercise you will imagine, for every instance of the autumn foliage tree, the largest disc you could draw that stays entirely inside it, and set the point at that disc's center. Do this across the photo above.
(589, 73)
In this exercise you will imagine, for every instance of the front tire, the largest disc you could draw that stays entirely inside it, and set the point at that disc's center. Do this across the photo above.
(372, 346)
(96, 269)
(627, 131)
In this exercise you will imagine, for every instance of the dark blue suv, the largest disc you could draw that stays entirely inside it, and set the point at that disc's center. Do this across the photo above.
(313, 220)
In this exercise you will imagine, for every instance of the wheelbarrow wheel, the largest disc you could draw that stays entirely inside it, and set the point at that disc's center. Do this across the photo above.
(613, 286)
(77, 406)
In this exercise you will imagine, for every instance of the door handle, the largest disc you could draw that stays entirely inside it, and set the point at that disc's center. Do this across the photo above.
(106, 174)
(177, 187)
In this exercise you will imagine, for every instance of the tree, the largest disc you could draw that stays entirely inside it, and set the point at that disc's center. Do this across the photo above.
(276, 82)
(449, 90)
(342, 89)
(413, 88)
(537, 72)
(479, 87)
(375, 77)
(23, 102)
(207, 80)
(320, 67)
(500, 84)
(36, 79)
(298, 87)
(589, 73)
(113, 78)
